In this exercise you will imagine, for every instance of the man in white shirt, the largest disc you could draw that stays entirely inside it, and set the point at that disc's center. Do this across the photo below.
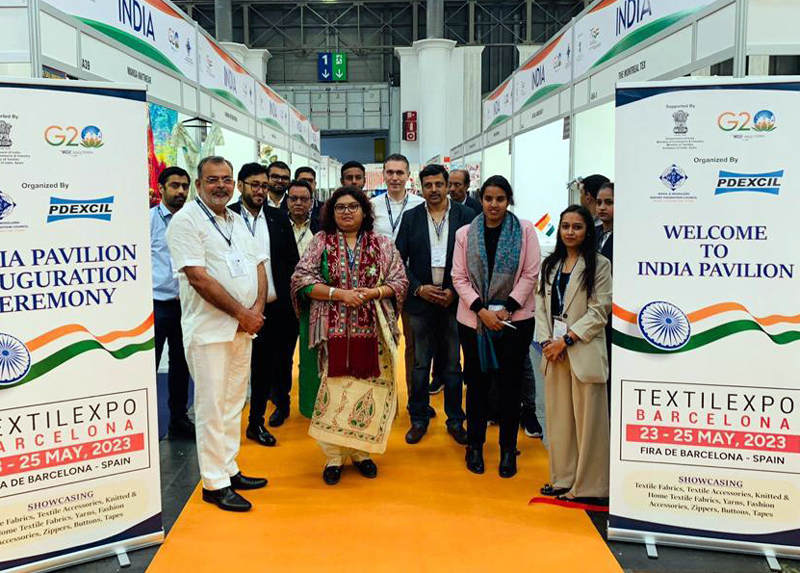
(390, 207)
(223, 287)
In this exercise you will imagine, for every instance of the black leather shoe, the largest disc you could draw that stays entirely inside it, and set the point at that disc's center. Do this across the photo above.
(278, 417)
(551, 491)
(226, 499)
(181, 428)
(366, 468)
(475, 460)
(240, 481)
(459, 434)
(332, 474)
(260, 435)
(415, 433)
(508, 463)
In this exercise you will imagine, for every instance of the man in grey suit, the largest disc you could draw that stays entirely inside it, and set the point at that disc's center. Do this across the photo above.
(426, 240)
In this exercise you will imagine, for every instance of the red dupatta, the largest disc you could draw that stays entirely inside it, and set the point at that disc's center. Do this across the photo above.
(352, 332)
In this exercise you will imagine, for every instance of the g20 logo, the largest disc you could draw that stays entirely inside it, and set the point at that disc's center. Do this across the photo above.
(763, 120)
(90, 136)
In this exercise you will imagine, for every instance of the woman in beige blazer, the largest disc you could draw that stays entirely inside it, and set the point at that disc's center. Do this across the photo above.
(572, 305)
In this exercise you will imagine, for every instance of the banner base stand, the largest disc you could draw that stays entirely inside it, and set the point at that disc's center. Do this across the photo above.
(652, 552)
(119, 550)
(650, 538)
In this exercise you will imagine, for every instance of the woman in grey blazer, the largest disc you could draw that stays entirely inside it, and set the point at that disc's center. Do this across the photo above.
(572, 305)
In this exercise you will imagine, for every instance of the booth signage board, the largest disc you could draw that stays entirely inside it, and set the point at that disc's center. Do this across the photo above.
(548, 70)
(613, 28)
(79, 464)
(316, 138)
(224, 77)
(229, 116)
(705, 433)
(152, 28)
(499, 106)
(499, 133)
(473, 145)
(538, 113)
(300, 127)
(272, 109)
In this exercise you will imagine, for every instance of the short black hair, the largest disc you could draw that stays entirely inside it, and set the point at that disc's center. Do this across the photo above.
(329, 223)
(397, 157)
(306, 169)
(466, 176)
(606, 185)
(301, 183)
(279, 165)
(593, 183)
(250, 169)
(433, 170)
(351, 165)
(502, 183)
(169, 172)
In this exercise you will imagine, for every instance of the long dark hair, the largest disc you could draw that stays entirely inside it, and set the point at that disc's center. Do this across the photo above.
(329, 223)
(587, 250)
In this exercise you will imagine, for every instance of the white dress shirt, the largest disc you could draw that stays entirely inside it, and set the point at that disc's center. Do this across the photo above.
(194, 241)
(302, 234)
(438, 240)
(389, 213)
(260, 231)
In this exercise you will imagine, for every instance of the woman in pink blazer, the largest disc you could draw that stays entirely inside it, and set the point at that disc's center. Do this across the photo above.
(495, 271)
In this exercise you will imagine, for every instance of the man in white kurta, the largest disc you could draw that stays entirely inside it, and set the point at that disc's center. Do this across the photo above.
(223, 289)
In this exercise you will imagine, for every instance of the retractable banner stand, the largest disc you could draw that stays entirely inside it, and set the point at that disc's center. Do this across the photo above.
(705, 443)
(79, 475)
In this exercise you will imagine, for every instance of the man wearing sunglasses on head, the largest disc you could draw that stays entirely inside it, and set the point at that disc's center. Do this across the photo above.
(173, 183)
(273, 349)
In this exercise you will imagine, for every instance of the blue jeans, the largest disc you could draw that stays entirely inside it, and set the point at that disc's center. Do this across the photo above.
(435, 332)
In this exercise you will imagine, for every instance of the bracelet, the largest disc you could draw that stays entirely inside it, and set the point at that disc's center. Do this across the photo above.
(380, 293)
(330, 293)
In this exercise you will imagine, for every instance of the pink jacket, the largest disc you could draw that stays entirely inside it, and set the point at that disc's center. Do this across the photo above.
(525, 282)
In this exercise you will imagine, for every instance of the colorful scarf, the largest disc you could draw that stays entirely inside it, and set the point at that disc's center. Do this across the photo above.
(348, 338)
(496, 291)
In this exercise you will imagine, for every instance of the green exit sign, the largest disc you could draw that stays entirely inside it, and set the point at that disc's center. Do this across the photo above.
(339, 67)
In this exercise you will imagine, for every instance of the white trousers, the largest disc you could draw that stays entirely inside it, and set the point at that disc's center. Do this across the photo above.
(220, 372)
(337, 455)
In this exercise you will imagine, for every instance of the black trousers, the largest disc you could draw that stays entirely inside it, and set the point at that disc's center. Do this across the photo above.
(511, 350)
(271, 364)
(167, 317)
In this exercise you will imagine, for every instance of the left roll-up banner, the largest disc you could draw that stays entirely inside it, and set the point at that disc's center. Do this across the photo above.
(79, 474)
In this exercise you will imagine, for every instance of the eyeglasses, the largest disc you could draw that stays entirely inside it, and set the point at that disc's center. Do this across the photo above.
(434, 185)
(217, 180)
(283, 178)
(256, 185)
(349, 207)
(303, 200)
(175, 185)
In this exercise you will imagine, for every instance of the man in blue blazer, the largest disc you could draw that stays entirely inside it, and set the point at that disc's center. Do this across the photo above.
(426, 240)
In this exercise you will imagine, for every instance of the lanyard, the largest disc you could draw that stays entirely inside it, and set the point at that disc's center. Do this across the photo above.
(399, 216)
(163, 218)
(558, 289)
(438, 227)
(246, 217)
(214, 222)
(303, 234)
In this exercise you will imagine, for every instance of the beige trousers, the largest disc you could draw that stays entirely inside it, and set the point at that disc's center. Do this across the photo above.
(337, 455)
(577, 428)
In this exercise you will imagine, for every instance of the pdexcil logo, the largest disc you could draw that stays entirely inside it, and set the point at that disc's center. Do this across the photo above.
(749, 182)
(61, 209)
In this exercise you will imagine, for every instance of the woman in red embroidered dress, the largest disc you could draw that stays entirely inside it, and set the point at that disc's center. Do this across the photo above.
(356, 283)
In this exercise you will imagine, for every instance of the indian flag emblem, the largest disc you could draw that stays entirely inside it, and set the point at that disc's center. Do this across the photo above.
(545, 226)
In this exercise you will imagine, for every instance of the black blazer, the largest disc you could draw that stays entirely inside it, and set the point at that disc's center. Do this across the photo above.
(608, 249)
(414, 243)
(473, 204)
(283, 253)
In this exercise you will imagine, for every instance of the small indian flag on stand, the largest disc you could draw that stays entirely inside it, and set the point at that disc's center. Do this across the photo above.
(544, 225)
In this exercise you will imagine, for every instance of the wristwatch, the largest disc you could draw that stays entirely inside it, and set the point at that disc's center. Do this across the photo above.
(568, 340)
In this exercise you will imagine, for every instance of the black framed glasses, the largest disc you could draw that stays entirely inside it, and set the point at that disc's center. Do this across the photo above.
(348, 207)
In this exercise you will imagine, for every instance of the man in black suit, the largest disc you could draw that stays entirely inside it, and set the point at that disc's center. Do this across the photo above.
(605, 246)
(273, 348)
(426, 240)
(459, 190)
(308, 175)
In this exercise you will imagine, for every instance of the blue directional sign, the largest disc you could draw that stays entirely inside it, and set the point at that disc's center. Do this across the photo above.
(325, 67)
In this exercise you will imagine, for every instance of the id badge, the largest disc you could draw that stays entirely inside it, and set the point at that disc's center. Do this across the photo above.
(236, 264)
(559, 328)
(439, 256)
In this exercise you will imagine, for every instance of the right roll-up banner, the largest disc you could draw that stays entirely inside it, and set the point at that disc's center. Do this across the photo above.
(705, 432)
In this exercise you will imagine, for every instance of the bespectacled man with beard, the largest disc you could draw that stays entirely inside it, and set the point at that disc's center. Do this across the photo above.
(173, 183)
(278, 176)
(273, 349)
(223, 286)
